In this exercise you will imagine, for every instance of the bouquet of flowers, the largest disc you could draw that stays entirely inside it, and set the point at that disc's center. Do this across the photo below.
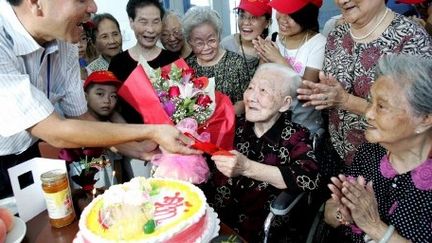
(173, 95)
(181, 94)
(84, 164)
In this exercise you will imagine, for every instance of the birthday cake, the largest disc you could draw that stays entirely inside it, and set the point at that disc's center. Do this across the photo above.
(149, 210)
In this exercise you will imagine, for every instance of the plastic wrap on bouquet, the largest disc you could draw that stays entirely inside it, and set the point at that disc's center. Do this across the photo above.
(192, 168)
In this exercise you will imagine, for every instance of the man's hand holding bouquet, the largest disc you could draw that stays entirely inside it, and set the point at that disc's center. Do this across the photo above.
(173, 95)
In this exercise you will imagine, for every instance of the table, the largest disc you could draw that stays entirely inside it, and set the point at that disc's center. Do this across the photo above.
(39, 230)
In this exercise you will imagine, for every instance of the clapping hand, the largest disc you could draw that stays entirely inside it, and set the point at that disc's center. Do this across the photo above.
(360, 199)
(336, 189)
(328, 93)
(268, 51)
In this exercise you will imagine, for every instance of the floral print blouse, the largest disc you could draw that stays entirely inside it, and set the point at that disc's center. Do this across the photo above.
(230, 73)
(243, 203)
(404, 200)
(354, 64)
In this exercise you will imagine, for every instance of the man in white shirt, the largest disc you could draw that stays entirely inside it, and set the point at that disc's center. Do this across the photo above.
(39, 68)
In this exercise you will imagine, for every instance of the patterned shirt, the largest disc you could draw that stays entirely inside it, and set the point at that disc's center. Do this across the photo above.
(404, 200)
(230, 73)
(99, 64)
(354, 66)
(242, 202)
(32, 79)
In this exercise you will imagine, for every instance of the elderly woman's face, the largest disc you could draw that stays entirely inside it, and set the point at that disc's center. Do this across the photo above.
(263, 99)
(108, 38)
(204, 41)
(389, 116)
(172, 36)
(251, 26)
(147, 25)
(359, 11)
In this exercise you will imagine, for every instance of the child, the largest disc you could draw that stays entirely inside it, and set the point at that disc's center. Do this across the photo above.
(101, 93)
(100, 89)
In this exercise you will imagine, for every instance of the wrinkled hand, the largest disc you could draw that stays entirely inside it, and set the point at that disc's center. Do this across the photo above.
(336, 189)
(172, 140)
(231, 166)
(268, 51)
(360, 199)
(328, 93)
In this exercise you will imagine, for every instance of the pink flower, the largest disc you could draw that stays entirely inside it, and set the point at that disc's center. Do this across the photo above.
(203, 100)
(173, 91)
(200, 82)
(169, 108)
(422, 176)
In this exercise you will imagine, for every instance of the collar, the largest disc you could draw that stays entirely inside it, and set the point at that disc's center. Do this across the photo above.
(17, 34)
(421, 175)
(273, 135)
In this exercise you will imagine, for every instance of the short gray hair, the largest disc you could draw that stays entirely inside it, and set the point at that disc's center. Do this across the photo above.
(171, 13)
(290, 80)
(197, 16)
(414, 75)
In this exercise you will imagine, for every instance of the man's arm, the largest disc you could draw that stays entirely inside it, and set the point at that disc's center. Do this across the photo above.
(67, 133)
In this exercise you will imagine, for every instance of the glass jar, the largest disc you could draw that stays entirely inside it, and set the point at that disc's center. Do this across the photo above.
(58, 198)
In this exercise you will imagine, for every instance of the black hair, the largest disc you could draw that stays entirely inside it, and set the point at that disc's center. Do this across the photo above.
(97, 19)
(307, 17)
(132, 5)
(267, 16)
(15, 2)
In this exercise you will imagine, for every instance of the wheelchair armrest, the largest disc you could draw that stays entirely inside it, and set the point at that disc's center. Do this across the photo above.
(284, 203)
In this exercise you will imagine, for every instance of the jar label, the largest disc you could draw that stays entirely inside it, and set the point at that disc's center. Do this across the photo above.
(59, 204)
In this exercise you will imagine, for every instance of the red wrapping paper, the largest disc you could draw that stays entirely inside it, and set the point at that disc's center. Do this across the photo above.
(138, 91)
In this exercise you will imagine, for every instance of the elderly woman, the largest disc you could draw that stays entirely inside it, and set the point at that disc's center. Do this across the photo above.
(299, 46)
(370, 31)
(202, 27)
(273, 154)
(108, 41)
(386, 194)
(145, 18)
(172, 37)
(253, 20)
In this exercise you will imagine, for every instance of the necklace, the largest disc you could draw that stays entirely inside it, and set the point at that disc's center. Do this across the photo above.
(371, 31)
(284, 45)
(244, 58)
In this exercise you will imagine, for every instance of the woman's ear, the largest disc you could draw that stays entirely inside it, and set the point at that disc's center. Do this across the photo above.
(425, 124)
(287, 101)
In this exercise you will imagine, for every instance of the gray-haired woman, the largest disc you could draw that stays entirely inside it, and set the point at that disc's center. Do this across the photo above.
(202, 27)
(397, 206)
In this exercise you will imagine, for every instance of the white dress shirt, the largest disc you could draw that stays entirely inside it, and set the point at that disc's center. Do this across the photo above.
(32, 79)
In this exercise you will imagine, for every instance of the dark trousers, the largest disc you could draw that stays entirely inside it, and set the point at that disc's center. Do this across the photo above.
(8, 161)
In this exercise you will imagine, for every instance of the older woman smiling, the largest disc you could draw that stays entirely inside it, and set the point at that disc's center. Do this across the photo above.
(370, 31)
(397, 206)
(273, 154)
(202, 29)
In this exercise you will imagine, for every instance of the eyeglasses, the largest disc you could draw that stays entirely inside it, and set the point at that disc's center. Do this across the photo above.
(199, 44)
(242, 17)
(174, 33)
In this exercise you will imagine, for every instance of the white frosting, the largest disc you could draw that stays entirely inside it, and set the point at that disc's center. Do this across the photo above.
(128, 196)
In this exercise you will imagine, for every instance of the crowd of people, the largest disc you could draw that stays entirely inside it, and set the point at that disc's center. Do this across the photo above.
(344, 115)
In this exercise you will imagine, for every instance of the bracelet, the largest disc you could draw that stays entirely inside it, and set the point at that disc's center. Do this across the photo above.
(387, 234)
